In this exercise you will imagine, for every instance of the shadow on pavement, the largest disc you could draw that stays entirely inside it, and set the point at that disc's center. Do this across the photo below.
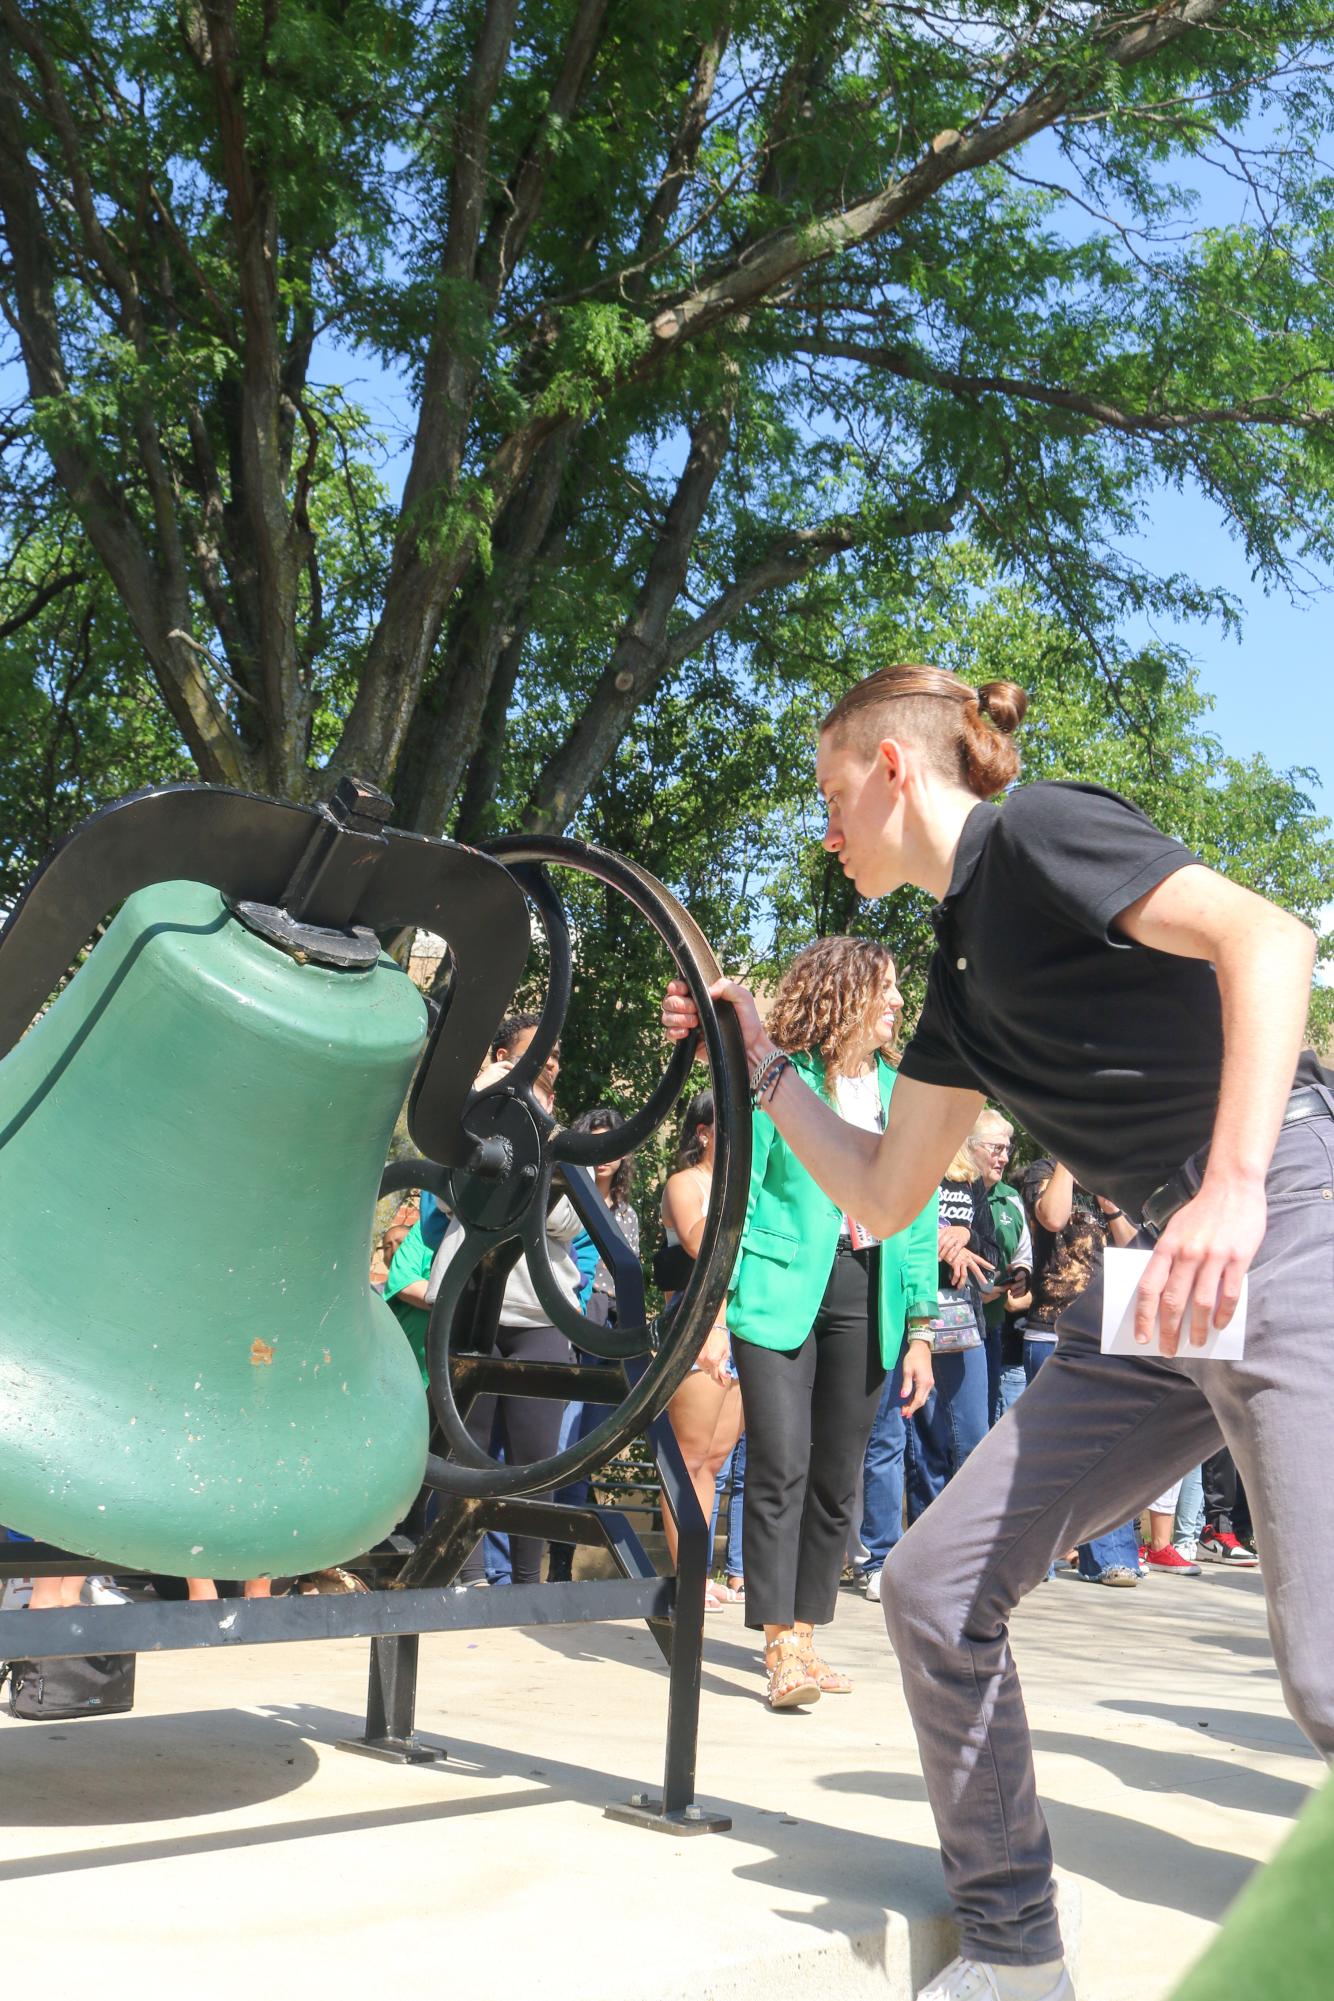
(1219, 1781)
(1252, 1645)
(1124, 1853)
(107, 1771)
(1233, 1726)
(854, 1879)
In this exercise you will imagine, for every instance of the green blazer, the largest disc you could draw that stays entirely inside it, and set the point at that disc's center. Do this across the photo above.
(791, 1237)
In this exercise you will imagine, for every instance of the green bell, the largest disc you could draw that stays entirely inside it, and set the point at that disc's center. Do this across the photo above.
(195, 1376)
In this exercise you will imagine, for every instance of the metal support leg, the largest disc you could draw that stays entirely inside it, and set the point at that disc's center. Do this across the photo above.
(676, 1811)
(391, 1707)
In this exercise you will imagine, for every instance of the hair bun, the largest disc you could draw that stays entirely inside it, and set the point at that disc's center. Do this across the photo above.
(1005, 703)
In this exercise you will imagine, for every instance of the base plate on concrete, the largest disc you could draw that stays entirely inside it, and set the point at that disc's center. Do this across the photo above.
(396, 1750)
(642, 1811)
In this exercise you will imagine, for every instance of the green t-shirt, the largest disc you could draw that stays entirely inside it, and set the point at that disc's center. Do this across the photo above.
(412, 1261)
(1007, 1214)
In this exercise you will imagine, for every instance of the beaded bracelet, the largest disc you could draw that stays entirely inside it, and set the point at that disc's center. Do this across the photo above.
(761, 1070)
(770, 1077)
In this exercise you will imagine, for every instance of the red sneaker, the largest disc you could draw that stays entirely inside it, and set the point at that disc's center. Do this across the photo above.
(1172, 1561)
(1224, 1548)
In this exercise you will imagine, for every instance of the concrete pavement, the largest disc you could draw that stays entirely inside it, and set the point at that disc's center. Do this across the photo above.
(215, 1842)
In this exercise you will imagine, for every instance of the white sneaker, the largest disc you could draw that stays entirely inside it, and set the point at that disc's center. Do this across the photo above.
(1187, 1547)
(101, 1591)
(873, 1586)
(969, 1980)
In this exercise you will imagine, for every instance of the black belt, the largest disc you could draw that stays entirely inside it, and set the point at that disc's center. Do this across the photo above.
(847, 1249)
(1305, 1102)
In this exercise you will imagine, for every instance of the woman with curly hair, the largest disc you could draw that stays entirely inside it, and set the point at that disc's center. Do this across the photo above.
(819, 1314)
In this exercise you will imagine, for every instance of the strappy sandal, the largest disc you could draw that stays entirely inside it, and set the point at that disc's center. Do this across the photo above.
(829, 1681)
(791, 1684)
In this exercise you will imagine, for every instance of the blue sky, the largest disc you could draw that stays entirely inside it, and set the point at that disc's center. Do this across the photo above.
(1270, 688)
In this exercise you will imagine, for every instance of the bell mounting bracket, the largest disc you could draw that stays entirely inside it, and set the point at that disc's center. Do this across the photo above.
(324, 883)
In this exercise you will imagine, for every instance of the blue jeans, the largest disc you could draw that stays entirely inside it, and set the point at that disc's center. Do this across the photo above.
(993, 1347)
(945, 1430)
(1189, 1523)
(577, 1421)
(1120, 1549)
(1010, 1385)
(732, 1474)
(882, 1476)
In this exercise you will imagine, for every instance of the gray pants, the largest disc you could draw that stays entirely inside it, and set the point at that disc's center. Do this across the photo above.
(1087, 1444)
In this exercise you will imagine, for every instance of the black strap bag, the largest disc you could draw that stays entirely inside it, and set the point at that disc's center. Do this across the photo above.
(672, 1267)
(62, 1687)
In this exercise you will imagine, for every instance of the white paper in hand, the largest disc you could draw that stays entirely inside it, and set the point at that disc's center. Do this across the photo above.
(1121, 1273)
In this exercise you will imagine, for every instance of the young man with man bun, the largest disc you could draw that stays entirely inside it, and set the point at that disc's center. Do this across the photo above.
(1143, 1018)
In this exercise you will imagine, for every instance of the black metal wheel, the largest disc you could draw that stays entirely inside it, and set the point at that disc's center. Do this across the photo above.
(501, 1198)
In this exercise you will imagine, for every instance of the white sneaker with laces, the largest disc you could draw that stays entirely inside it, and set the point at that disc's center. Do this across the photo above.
(971, 1980)
(873, 1586)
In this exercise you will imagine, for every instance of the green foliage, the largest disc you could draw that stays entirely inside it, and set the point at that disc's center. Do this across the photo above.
(715, 793)
(79, 726)
(667, 358)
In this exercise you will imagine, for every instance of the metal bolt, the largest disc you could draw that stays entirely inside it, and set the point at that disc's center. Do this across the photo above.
(528, 1172)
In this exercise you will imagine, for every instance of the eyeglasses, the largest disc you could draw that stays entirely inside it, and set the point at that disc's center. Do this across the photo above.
(999, 1149)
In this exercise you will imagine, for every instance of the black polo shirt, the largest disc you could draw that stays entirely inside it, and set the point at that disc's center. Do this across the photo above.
(1109, 1053)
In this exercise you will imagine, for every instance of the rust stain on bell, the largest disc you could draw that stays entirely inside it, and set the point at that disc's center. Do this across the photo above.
(261, 1352)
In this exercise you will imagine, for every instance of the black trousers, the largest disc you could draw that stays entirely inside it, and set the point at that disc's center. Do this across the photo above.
(809, 1412)
(527, 1427)
(1226, 1508)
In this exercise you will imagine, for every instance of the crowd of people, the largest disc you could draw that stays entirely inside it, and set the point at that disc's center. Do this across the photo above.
(848, 1378)
(911, 1345)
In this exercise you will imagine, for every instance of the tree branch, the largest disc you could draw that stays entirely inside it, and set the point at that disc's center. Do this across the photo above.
(568, 775)
(117, 276)
(509, 231)
(806, 549)
(482, 779)
(99, 503)
(277, 547)
(817, 49)
(636, 664)
(1272, 409)
(488, 621)
(423, 575)
(760, 267)
(684, 149)
(468, 177)
(41, 598)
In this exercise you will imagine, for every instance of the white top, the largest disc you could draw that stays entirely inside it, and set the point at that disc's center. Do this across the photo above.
(521, 1306)
(858, 1100)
